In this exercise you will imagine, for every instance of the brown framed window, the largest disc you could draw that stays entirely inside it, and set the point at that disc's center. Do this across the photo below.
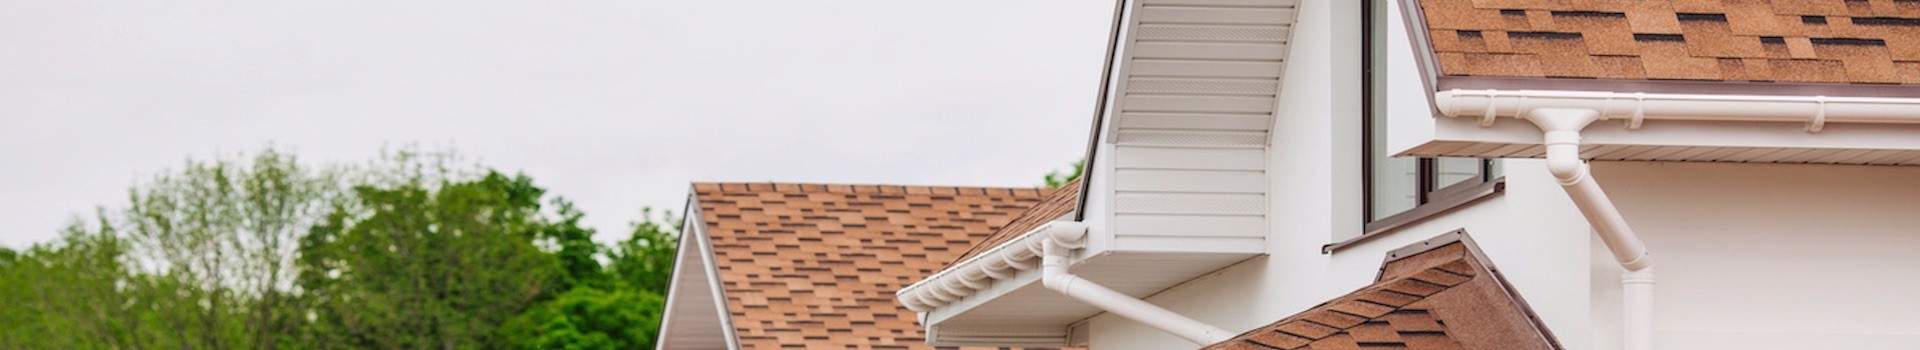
(1401, 190)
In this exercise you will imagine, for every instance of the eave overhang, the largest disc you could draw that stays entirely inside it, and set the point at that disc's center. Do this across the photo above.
(1695, 132)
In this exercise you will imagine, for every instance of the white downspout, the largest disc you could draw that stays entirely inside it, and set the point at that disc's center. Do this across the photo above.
(1054, 263)
(1562, 127)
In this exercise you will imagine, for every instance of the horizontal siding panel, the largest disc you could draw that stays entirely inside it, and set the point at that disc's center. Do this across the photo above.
(1204, 181)
(1205, 139)
(1245, 87)
(1242, 122)
(1210, 51)
(1234, 3)
(1212, 33)
(1190, 204)
(1179, 68)
(1213, 15)
(1155, 244)
(1188, 225)
(1198, 104)
(1131, 157)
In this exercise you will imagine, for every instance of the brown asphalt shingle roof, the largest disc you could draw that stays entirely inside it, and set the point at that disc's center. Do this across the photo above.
(1800, 41)
(816, 265)
(1061, 202)
(1443, 298)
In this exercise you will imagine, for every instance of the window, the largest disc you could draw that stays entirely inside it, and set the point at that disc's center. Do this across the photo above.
(1401, 190)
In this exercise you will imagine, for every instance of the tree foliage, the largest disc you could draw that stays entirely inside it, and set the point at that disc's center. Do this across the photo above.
(644, 260)
(428, 269)
(1055, 179)
(588, 318)
(412, 251)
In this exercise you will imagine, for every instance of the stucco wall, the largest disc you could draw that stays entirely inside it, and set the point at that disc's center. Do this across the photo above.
(1315, 159)
(1750, 256)
(1772, 256)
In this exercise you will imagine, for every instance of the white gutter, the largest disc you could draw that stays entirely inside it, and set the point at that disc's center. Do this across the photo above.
(1816, 111)
(1562, 114)
(1049, 247)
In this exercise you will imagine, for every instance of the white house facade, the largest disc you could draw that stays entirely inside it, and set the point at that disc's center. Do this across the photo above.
(1648, 174)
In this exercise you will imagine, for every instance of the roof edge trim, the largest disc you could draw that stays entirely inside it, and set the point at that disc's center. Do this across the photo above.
(966, 277)
(1445, 83)
(693, 235)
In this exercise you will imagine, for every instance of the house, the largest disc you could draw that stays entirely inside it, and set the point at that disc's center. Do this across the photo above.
(814, 266)
(1646, 174)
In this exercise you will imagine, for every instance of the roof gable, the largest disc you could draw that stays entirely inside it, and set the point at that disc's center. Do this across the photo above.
(818, 264)
(1438, 294)
(1800, 41)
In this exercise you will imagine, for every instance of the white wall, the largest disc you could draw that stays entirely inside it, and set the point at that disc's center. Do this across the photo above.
(1751, 256)
(1773, 256)
(1316, 165)
(1303, 164)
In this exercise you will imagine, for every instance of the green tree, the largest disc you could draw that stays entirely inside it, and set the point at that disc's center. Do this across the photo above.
(573, 244)
(428, 268)
(588, 318)
(414, 250)
(644, 261)
(222, 233)
(1055, 179)
(65, 295)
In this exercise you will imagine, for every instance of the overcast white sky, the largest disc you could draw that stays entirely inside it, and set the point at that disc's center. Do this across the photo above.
(614, 104)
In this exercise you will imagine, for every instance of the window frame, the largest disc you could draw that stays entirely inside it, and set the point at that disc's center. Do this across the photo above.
(1431, 199)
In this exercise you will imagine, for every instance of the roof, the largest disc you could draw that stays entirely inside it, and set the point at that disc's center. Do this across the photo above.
(1438, 294)
(817, 264)
(1799, 41)
(1060, 203)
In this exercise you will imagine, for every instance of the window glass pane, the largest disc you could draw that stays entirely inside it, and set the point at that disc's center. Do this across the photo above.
(1395, 186)
(1449, 171)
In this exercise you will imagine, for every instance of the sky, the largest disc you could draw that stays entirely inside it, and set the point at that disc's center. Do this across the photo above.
(615, 105)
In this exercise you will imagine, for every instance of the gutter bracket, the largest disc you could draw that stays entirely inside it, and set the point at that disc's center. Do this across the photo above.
(1819, 115)
(1639, 111)
(1492, 114)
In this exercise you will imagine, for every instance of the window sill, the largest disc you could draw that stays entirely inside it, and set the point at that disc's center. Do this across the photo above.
(1387, 225)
